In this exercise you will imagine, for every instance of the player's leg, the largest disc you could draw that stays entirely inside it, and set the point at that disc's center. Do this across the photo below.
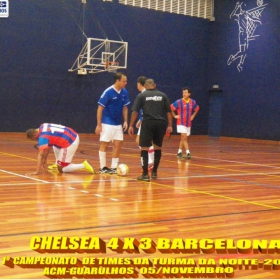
(159, 131)
(180, 129)
(117, 145)
(145, 142)
(188, 153)
(138, 139)
(185, 137)
(151, 158)
(56, 152)
(102, 156)
(65, 157)
(184, 140)
(150, 152)
(180, 149)
(106, 137)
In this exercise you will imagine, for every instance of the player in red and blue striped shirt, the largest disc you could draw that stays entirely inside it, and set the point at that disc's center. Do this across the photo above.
(186, 109)
(64, 141)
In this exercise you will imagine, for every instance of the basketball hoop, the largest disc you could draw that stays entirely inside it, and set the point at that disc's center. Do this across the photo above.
(101, 55)
(111, 66)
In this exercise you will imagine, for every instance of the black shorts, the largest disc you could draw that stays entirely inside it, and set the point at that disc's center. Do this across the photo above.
(152, 132)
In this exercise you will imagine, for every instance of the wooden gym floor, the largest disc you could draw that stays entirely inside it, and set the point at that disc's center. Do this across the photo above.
(229, 189)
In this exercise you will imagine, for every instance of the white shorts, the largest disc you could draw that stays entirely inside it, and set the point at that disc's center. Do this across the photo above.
(111, 132)
(139, 129)
(64, 156)
(184, 129)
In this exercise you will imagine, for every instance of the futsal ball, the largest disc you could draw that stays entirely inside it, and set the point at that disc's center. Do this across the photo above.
(122, 169)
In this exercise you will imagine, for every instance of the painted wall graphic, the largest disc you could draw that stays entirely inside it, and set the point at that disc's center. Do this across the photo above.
(248, 23)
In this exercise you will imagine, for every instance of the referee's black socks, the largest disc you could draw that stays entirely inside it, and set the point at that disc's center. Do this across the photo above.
(157, 156)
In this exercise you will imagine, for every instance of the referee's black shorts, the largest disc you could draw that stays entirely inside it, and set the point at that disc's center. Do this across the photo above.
(152, 132)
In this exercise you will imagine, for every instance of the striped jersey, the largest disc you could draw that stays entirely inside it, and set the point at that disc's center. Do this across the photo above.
(55, 135)
(113, 103)
(184, 109)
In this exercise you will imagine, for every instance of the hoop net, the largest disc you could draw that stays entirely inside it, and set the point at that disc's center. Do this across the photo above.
(111, 66)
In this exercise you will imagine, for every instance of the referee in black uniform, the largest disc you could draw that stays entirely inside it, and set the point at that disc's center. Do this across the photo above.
(156, 107)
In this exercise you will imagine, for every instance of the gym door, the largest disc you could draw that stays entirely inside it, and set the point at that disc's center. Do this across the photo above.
(215, 112)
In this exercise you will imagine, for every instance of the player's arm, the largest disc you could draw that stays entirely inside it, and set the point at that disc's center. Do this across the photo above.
(173, 110)
(136, 107)
(125, 117)
(133, 118)
(46, 153)
(195, 112)
(41, 159)
(98, 128)
(138, 124)
(169, 108)
(174, 115)
(169, 119)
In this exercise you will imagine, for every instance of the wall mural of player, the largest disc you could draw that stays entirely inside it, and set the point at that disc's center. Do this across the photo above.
(248, 22)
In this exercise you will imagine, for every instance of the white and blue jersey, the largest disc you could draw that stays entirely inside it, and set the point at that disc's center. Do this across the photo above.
(141, 115)
(141, 111)
(113, 103)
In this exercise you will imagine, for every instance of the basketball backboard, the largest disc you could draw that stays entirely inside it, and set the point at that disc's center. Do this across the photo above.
(99, 55)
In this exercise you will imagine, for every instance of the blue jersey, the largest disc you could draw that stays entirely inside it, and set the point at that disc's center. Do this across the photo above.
(141, 115)
(141, 111)
(113, 103)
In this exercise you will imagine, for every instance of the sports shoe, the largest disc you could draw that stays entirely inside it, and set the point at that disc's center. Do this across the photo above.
(188, 156)
(145, 178)
(180, 155)
(150, 167)
(103, 170)
(88, 167)
(52, 167)
(154, 175)
(112, 171)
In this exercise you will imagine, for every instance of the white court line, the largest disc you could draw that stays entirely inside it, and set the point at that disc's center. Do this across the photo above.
(55, 183)
(46, 182)
(17, 184)
(35, 179)
(213, 159)
(133, 179)
(240, 162)
(84, 191)
(222, 175)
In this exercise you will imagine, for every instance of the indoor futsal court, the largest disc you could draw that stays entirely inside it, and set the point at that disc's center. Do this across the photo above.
(226, 190)
(63, 62)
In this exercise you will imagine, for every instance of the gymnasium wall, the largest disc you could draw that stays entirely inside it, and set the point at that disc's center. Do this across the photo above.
(41, 40)
(251, 96)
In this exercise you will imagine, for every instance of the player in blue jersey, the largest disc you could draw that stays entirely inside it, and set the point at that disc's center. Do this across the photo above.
(64, 141)
(112, 110)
